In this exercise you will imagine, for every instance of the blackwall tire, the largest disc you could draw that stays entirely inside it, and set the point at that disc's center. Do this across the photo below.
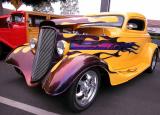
(84, 90)
(153, 63)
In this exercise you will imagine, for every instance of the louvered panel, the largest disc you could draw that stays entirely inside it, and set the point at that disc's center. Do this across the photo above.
(44, 54)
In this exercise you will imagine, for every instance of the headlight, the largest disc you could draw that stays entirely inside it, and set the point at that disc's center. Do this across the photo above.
(32, 43)
(60, 47)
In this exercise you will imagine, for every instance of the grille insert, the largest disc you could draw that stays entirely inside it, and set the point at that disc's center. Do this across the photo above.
(45, 53)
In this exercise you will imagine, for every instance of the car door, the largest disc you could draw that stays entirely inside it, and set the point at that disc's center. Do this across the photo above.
(131, 40)
(136, 33)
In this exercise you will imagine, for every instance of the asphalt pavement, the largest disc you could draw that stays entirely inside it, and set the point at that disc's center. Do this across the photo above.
(140, 96)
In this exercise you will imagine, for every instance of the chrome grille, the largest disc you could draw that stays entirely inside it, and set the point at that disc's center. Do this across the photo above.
(45, 53)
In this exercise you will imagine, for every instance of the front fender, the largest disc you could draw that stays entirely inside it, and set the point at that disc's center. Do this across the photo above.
(22, 58)
(64, 73)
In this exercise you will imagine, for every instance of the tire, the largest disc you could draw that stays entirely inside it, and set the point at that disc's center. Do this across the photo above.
(84, 90)
(153, 63)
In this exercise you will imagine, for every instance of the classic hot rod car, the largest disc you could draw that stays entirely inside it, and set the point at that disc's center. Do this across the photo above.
(75, 55)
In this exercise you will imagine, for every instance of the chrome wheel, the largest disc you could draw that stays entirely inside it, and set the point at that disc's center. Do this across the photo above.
(86, 88)
(154, 61)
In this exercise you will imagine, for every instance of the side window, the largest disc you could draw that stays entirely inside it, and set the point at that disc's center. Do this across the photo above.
(136, 24)
(35, 20)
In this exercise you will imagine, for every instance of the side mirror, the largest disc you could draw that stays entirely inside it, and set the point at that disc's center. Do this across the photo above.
(132, 26)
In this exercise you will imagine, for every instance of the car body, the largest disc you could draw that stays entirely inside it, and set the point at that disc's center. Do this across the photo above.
(73, 55)
(19, 27)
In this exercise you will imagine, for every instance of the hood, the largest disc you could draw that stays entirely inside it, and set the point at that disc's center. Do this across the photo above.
(100, 31)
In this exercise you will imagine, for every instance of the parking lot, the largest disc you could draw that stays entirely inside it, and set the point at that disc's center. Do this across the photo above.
(140, 96)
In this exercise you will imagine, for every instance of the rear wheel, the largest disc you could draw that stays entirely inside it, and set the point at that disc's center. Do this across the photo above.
(153, 63)
(83, 92)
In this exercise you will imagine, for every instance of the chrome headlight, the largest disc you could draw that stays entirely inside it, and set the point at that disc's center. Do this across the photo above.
(60, 47)
(32, 43)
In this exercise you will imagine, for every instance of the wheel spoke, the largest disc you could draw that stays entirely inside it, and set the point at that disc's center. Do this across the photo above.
(153, 62)
(81, 83)
(88, 77)
(80, 94)
(93, 85)
(84, 100)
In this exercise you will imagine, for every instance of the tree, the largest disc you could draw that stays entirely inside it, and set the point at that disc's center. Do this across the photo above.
(38, 5)
(44, 7)
(41, 5)
(69, 7)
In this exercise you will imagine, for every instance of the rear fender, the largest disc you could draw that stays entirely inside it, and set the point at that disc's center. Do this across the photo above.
(64, 73)
(147, 52)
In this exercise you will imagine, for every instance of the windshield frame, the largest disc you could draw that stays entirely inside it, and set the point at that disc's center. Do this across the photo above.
(102, 23)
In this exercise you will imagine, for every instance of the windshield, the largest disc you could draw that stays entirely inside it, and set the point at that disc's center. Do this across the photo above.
(113, 21)
(17, 18)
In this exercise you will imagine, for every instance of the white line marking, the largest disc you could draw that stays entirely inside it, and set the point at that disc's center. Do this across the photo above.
(25, 107)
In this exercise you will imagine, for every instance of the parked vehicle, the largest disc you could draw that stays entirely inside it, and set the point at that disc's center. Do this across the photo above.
(155, 38)
(19, 27)
(75, 55)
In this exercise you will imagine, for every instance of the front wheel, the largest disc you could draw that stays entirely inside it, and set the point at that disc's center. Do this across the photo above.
(83, 92)
(153, 63)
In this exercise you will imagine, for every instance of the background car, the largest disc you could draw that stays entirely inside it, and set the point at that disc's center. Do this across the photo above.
(19, 27)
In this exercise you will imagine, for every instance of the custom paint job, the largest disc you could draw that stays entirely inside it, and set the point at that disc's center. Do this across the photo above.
(22, 59)
(67, 70)
(122, 53)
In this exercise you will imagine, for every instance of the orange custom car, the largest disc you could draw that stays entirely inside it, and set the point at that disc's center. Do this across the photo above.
(75, 55)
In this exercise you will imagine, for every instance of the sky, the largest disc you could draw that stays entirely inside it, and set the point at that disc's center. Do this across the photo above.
(149, 8)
